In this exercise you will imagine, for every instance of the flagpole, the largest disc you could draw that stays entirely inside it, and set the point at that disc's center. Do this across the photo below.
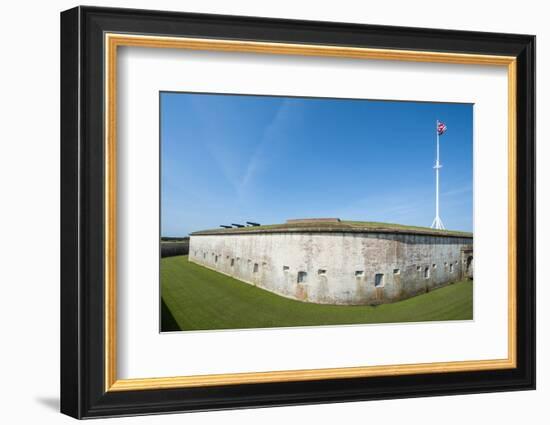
(437, 223)
(437, 171)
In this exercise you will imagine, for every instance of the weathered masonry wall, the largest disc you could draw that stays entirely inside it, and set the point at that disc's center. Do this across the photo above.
(337, 267)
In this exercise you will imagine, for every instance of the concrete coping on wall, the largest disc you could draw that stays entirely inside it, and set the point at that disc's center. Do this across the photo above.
(335, 227)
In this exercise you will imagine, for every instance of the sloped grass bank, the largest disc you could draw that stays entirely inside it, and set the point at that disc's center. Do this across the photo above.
(197, 298)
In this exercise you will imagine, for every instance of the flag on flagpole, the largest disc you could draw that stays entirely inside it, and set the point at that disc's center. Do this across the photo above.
(441, 128)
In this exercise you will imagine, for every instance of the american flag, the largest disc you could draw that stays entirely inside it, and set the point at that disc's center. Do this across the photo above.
(441, 128)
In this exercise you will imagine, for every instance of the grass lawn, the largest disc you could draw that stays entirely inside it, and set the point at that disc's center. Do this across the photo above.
(344, 225)
(196, 298)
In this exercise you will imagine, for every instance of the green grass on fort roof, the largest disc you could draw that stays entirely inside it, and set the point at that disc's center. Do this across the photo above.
(342, 225)
(375, 225)
(197, 298)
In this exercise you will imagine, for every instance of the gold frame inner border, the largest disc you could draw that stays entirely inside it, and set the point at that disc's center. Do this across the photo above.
(113, 41)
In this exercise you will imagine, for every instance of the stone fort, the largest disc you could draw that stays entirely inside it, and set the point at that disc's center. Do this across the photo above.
(328, 261)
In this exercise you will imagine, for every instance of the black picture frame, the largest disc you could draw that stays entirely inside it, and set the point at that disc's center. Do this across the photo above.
(83, 392)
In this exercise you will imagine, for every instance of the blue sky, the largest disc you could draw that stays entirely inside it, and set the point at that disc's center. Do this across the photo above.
(230, 159)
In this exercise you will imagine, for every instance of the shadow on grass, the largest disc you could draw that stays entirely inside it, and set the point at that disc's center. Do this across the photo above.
(167, 321)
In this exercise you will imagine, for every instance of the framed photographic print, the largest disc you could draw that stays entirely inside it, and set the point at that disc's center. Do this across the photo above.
(261, 212)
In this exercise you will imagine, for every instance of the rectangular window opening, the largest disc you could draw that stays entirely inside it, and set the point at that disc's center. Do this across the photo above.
(321, 272)
(378, 280)
(286, 268)
(302, 277)
(359, 273)
(255, 268)
(396, 271)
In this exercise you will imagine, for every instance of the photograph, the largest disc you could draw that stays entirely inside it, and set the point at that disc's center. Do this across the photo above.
(285, 211)
(290, 210)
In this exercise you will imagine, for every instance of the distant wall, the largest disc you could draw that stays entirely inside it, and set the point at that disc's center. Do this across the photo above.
(337, 268)
(170, 249)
